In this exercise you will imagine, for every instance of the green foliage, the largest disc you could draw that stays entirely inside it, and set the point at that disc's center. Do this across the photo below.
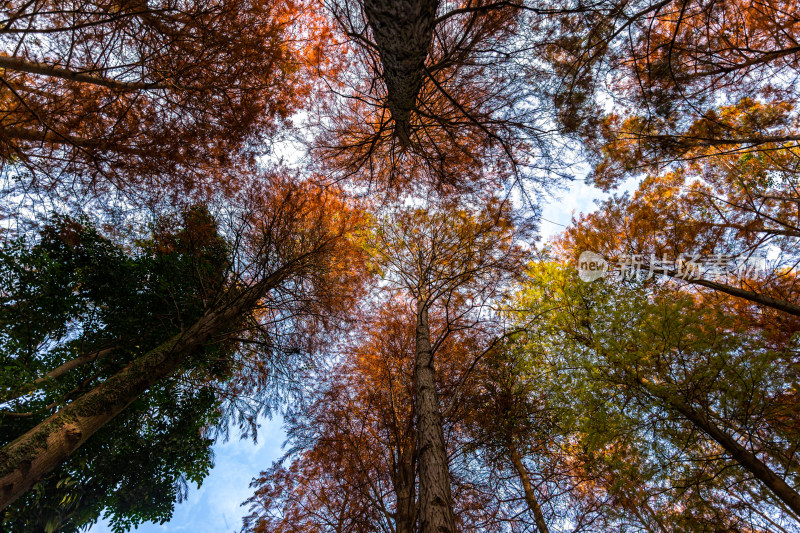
(613, 353)
(74, 293)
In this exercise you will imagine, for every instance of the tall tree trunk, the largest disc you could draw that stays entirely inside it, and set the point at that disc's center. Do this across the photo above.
(31, 456)
(435, 499)
(739, 453)
(403, 32)
(404, 487)
(530, 497)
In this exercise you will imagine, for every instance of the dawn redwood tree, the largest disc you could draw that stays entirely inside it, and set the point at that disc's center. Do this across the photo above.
(509, 419)
(697, 101)
(452, 262)
(670, 411)
(433, 94)
(126, 96)
(352, 438)
(292, 258)
(702, 110)
(352, 442)
(725, 213)
(643, 83)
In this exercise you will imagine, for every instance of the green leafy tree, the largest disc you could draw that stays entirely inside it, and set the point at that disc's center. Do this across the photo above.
(78, 307)
(673, 419)
(202, 325)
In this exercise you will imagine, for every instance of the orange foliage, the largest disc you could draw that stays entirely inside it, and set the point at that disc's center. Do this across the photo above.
(151, 99)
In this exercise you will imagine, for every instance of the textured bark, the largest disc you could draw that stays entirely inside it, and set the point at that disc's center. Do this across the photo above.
(31, 456)
(435, 499)
(404, 487)
(530, 497)
(739, 453)
(403, 32)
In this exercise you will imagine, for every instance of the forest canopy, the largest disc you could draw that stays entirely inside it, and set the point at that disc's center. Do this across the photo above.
(332, 213)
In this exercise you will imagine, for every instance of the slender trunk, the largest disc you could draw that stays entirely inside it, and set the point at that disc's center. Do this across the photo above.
(43, 69)
(530, 497)
(739, 453)
(435, 500)
(47, 136)
(58, 372)
(403, 32)
(404, 487)
(31, 456)
(762, 299)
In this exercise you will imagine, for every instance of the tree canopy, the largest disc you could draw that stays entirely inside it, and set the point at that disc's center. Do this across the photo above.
(329, 211)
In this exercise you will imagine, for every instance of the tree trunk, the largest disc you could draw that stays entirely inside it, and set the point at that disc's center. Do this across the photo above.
(739, 453)
(530, 497)
(435, 500)
(58, 372)
(404, 487)
(403, 32)
(31, 456)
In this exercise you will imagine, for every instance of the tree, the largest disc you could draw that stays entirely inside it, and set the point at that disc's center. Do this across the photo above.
(686, 419)
(352, 439)
(434, 96)
(122, 97)
(352, 443)
(294, 259)
(453, 264)
(715, 212)
(73, 292)
(667, 68)
(510, 418)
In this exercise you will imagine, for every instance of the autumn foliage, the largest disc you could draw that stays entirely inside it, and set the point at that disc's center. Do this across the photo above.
(329, 212)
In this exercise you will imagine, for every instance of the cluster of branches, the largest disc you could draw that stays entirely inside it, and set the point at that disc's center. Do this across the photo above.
(147, 100)
(659, 404)
(652, 84)
(435, 96)
(474, 395)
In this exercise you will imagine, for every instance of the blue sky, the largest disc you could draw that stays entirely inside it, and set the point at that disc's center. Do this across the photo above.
(577, 198)
(216, 506)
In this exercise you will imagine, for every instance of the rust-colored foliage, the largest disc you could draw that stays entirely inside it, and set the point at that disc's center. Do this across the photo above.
(441, 106)
(724, 206)
(149, 99)
(657, 83)
(355, 463)
(354, 454)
